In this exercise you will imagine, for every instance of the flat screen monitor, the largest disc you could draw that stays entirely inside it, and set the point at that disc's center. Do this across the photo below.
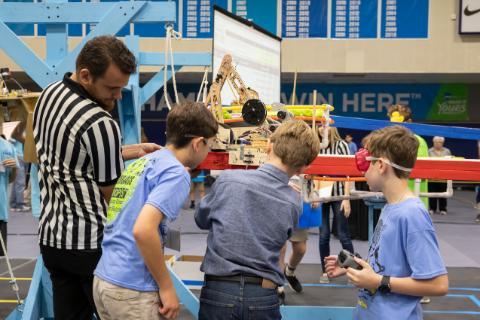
(255, 53)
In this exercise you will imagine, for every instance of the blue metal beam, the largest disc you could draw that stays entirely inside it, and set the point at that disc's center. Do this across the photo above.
(112, 22)
(153, 85)
(189, 300)
(83, 12)
(37, 69)
(420, 129)
(180, 59)
(39, 303)
(57, 45)
(315, 312)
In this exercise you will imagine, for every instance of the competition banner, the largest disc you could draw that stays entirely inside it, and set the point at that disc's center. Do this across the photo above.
(304, 18)
(198, 17)
(404, 19)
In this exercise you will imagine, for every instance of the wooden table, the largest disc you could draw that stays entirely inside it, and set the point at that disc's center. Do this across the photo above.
(20, 108)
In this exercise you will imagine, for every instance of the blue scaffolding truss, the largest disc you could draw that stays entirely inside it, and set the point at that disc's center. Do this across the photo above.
(109, 18)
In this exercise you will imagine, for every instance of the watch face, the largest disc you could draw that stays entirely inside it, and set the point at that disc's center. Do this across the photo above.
(385, 285)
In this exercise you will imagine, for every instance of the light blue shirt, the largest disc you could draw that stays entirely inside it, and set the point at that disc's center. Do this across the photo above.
(404, 245)
(158, 179)
(352, 147)
(18, 147)
(7, 151)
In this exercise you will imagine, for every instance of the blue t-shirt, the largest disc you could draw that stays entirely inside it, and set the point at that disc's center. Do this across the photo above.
(7, 151)
(157, 179)
(404, 245)
(352, 147)
(18, 147)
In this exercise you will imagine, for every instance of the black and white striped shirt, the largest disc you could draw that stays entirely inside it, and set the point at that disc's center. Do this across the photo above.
(340, 147)
(79, 149)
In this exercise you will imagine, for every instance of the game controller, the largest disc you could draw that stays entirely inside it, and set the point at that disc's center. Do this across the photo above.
(346, 260)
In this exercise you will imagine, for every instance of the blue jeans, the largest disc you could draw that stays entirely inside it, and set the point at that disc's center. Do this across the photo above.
(477, 194)
(342, 230)
(220, 300)
(16, 196)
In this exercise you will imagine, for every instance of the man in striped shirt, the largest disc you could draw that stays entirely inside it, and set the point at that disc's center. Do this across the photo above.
(80, 159)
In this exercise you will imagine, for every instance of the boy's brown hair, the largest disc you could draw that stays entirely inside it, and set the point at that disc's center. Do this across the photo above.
(397, 144)
(188, 120)
(295, 143)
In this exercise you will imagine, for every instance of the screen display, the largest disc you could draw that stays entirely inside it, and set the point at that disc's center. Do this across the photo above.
(255, 54)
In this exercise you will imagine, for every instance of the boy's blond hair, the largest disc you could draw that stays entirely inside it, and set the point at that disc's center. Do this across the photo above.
(295, 143)
(397, 144)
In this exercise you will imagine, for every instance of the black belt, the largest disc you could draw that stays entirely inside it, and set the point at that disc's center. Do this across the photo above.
(236, 278)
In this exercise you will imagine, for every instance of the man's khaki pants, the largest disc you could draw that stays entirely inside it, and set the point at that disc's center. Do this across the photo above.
(114, 302)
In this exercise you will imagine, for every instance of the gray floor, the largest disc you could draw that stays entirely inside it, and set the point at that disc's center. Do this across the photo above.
(457, 233)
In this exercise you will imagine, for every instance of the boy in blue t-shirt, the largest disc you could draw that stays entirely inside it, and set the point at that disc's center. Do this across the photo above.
(131, 279)
(8, 165)
(404, 262)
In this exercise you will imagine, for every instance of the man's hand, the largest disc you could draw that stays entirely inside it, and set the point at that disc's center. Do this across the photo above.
(365, 278)
(332, 268)
(146, 148)
(345, 206)
(169, 305)
(9, 163)
(315, 205)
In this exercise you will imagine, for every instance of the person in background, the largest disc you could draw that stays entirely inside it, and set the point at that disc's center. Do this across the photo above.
(341, 209)
(439, 151)
(17, 201)
(352, 146)
(8, 166)
(198, 183)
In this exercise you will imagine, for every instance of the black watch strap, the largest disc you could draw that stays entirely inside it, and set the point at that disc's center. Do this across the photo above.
(385, 285)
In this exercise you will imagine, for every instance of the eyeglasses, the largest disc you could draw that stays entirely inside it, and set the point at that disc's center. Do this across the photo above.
(363, 160)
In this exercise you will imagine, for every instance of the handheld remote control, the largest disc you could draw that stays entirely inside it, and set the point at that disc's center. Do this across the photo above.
(346, 260)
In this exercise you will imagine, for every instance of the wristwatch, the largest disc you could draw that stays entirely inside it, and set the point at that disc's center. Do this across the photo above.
(385, 285)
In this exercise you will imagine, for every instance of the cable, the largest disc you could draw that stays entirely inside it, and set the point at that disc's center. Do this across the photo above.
(168, 50)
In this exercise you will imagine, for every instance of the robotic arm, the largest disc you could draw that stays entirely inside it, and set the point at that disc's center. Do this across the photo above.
(253, 110)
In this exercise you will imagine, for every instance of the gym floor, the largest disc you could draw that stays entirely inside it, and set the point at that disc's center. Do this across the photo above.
(458, 235)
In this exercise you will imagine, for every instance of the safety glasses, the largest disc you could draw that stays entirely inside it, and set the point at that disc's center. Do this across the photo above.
(363, 160)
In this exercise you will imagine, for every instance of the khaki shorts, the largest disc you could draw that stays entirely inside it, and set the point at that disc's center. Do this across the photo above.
(299, 235)
(114, 302)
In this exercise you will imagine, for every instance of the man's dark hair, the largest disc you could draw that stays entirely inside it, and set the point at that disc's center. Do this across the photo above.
(188, 120)
(100, 52)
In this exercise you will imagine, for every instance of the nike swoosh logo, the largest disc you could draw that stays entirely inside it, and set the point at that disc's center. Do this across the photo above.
(467, 12)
